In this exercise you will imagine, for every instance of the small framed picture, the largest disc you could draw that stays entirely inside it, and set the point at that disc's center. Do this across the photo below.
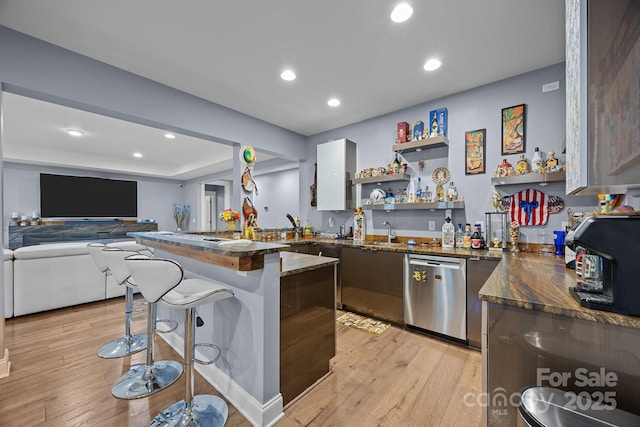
(513, 129)
(475, 149)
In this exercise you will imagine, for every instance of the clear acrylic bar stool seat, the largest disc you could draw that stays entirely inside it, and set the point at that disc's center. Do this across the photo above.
(128, 344)
(163, 280)
(152, 376)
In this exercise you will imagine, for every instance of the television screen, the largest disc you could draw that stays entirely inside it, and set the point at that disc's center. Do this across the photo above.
(87, 197)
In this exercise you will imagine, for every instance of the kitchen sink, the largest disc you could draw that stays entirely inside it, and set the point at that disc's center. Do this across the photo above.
(386, 244)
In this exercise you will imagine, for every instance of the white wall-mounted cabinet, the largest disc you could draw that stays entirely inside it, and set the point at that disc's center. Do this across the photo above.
(336, 169)
(602, 92)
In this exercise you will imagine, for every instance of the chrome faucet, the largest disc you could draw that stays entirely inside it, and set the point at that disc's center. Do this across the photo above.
(388, 224)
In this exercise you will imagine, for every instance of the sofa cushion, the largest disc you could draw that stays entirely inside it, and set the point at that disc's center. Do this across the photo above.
(8, 254)
(51, 250)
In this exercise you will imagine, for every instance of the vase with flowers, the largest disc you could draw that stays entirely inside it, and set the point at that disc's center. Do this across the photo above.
(180, 212)
(230, 216)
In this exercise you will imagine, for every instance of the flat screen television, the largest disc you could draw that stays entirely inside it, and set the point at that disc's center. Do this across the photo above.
(65, 196)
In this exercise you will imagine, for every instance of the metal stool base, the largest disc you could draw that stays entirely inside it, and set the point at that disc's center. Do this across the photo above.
(123, 347)
(143, 380)
(206, 411)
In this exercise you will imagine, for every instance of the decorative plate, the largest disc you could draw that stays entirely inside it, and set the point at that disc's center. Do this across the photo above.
(248, 184)
(377, 195)
(247, 155)
(441, 176)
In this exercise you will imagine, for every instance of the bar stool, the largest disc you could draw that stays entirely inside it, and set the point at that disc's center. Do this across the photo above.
(163, 280)
(152, 376)
(129, 344)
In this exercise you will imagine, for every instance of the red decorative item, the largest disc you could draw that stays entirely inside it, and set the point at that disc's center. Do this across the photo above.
(403, 131)
(529, 207)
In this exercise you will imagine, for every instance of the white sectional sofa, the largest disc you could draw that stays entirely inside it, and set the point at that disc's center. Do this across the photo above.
(8, 283)
(50, 276)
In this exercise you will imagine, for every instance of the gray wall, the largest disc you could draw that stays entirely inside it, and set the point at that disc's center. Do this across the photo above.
(478, 108)
(31, 67)
(277, 196)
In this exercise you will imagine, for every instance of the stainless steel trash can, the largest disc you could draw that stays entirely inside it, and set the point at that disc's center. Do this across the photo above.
(551, 407)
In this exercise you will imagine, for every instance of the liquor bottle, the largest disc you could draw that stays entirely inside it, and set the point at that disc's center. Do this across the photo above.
(396, 165)
(536, 162)
(419, 190)
(482, 241)
(388, 198)
(307, 231)
(475, 238)
(428, 197)
(448, 234)
(523, 165)
(466, 237)
(459, 236)
(552, 162)
(452, 192)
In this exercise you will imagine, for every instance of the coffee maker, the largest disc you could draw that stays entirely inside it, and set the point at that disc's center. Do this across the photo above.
(613, 241)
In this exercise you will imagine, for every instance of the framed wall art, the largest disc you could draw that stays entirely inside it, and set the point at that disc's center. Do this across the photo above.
(513, 129)
(474, 151)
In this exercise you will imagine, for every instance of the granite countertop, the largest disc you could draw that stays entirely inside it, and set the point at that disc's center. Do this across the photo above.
(293, 263)
(531, 281)
(542, 282)
(400, 247)
(211, 243)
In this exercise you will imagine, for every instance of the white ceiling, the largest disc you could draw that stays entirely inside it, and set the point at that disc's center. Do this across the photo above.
(232, 52)
(35, 133)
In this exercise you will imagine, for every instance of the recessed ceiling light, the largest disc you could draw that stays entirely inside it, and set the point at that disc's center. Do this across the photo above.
(75, 132)
(432, 64)
(169, 136)
(288, 75)
(333, 102)
(137, 155)
(401, 12)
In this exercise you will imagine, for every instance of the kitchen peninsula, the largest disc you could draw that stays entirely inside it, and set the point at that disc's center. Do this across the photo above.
(258, 330)
(536, 333)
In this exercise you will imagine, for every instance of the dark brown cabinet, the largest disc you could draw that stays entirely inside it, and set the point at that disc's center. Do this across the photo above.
(372, 283)
(478, 271)
(304, 248)
(334, 251)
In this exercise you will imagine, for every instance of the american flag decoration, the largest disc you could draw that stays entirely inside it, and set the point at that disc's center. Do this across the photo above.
(529, 207)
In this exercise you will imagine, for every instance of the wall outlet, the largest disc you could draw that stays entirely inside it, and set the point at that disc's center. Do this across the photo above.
(548, 87)
(432, 226)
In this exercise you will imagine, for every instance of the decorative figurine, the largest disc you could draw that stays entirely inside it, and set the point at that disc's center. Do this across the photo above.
(434, 127)
(505, 168)
(523, 165)
(359, 232)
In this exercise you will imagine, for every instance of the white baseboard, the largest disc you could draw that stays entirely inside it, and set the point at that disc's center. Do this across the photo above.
(5, 365)
(258, 415)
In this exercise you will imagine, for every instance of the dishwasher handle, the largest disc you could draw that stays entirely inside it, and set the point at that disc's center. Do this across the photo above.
(431, 263)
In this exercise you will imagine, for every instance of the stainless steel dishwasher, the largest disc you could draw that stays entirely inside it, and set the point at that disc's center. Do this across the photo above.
(435, 294)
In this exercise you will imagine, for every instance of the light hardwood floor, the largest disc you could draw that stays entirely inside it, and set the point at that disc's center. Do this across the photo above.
(398, 379)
